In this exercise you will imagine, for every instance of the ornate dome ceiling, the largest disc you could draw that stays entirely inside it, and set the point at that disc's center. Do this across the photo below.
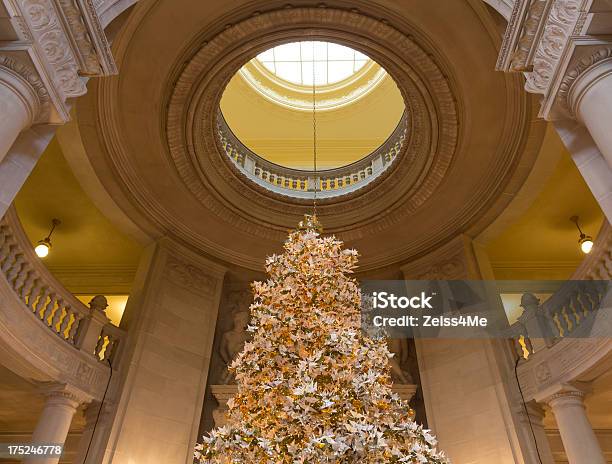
(151, 133)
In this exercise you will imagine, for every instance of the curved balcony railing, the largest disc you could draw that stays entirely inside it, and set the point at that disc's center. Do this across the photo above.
(299, 183)
(57, 310)
(571, 310)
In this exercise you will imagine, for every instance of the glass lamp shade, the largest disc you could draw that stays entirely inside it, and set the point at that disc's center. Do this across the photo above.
(42, 249)
(586, 244)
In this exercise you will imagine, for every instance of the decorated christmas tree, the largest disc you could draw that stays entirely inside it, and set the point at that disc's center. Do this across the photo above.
(312, 388)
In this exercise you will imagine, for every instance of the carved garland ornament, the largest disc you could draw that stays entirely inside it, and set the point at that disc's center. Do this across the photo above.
(561, 21)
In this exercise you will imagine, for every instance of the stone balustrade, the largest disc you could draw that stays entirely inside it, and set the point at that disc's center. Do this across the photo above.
(571, 311)
(303, 183)
(57, 310)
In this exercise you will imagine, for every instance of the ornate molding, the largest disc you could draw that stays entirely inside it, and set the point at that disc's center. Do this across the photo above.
(65, 43)
(246, 220)
(31, 77)
(195, 150)
(575, 396)
(567, 360)
(545, 39)
(191, 277)
(576, 72)
(560, 23)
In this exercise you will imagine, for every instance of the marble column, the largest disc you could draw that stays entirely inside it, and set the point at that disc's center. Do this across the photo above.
(54, 422)
(589, 160)
(579, 440)
(590, 97)
(19, 104)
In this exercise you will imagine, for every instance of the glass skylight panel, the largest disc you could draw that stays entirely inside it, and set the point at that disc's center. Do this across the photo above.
(293, 62)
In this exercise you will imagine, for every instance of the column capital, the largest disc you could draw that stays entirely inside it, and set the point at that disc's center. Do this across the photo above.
(61, 43)
(582, 76)
(547, 40)
(568, 394)
(25, 82)
(63, 394)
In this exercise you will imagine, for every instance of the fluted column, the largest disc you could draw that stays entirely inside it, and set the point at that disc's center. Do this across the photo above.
(590, 98)
(579, 440)
(54, 422)
(19, 103)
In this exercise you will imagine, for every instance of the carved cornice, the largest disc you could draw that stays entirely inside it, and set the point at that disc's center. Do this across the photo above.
(524, 29)
(546, 40)
(64, 41)
(560, 23)
(535, 39)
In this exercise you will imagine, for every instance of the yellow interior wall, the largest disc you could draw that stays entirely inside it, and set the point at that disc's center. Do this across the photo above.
(284, 136)
(543, 243)
(85, 238)
(116, 306)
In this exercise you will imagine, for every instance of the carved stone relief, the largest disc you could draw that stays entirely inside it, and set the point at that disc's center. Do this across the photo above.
(191, 277)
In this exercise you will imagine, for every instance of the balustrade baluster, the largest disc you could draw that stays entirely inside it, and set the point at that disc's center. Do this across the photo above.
(100, 345)
(9, 258)
(24, 282)
(34, 293)
(566, 321)
(557, 318)
(74, 328)
(574, 310)
(16, 268)
(41, 304)
(4, 235)
(66, 320)
(50, 310)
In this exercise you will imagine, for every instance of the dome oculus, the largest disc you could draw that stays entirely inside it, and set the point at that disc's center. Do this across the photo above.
(284, 74)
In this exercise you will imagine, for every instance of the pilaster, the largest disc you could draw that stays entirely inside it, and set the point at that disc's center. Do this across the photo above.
(467, 380)
(171, 319)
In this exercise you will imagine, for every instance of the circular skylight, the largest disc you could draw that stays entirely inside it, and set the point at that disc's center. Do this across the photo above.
(300, 62)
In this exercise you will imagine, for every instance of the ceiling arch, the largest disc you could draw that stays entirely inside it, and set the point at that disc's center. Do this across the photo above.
(127, 133)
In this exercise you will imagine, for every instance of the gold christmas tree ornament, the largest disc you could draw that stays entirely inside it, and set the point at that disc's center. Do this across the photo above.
(312, 387)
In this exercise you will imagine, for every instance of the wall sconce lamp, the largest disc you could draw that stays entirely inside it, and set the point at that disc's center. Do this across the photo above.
(43, 247)
(585, 241)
